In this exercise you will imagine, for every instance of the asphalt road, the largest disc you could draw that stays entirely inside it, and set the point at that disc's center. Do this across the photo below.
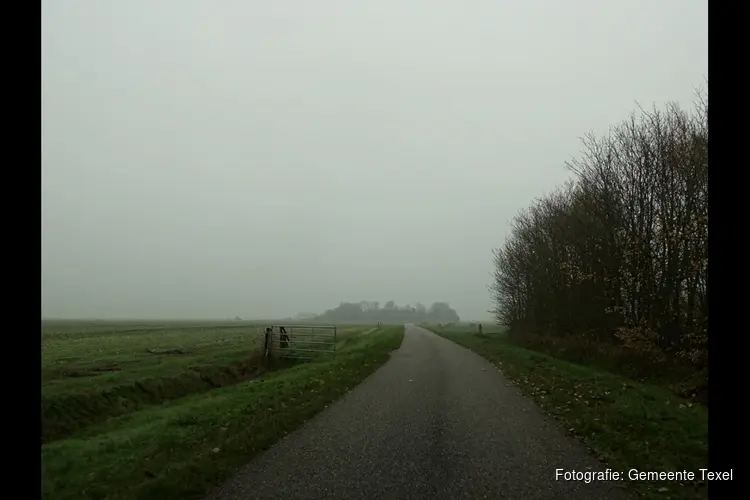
(436, 421)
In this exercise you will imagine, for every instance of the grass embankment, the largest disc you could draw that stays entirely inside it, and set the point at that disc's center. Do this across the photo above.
(183, 447)
(626, 423)
(91, 372)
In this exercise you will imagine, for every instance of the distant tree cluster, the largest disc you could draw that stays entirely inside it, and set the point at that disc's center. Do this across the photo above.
(620, 254)
(390, 313)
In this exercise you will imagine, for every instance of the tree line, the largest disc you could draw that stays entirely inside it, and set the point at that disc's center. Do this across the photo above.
(390, 313)
(620, 253)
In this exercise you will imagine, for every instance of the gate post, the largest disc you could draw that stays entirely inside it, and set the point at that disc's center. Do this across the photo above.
(266, 346)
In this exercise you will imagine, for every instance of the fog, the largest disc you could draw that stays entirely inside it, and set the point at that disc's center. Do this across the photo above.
(212, 159)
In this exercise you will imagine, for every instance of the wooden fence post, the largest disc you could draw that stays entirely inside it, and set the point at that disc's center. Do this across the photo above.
(266, 347)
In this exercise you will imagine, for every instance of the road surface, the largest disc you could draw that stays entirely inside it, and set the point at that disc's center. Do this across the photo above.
(437, 421)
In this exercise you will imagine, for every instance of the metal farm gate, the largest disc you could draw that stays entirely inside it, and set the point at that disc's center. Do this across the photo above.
(300, 341)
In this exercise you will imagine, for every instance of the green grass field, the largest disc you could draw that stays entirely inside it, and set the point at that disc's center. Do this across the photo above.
(91, 372)
(167, 410)
(626, 423)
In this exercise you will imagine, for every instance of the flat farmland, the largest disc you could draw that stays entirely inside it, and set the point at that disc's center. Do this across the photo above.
(95, 370)
(170, 409)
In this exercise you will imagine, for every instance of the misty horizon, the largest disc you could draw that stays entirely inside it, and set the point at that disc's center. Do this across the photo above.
(301, 314)
(207, 160)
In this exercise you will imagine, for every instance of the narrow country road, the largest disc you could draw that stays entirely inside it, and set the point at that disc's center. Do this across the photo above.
(437, 421)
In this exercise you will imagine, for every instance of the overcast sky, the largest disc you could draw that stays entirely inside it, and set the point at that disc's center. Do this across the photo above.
(207, 159)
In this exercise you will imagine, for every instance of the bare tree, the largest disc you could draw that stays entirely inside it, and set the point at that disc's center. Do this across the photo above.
(621, 253)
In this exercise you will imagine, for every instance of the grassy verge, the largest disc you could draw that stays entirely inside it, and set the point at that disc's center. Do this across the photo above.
(627, 424)
(181, 448)
(674, 374)
(94, 372)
